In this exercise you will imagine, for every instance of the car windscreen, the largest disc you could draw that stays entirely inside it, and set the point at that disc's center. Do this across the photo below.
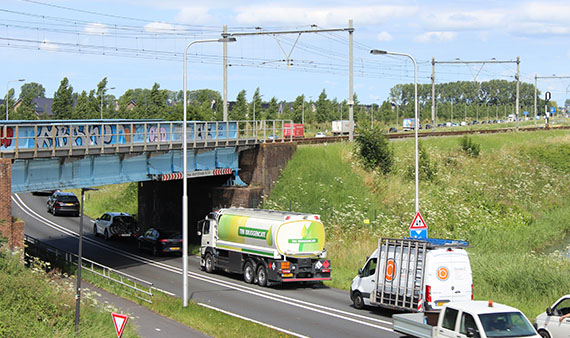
(67, 198)
(506, 324)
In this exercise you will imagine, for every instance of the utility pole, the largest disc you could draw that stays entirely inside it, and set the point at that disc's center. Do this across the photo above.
(517, 61)
(518, 86)
(225, 65)
(350, 84)
(433, 93)
(536, 77)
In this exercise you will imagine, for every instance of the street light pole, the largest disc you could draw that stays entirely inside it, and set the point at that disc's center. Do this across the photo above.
(383, 52)
(185, 174)
(102, 95)
(80, 256)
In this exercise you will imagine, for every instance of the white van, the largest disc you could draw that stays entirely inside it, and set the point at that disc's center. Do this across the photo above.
(414, 275)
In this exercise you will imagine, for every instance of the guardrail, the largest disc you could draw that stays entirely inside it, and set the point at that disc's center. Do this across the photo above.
(139, 287)
(29, 139)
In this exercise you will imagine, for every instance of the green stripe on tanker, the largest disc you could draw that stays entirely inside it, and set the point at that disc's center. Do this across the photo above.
(297, 238)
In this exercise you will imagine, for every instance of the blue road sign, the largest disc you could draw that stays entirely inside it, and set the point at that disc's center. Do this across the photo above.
(525, 113)
(552, 110)
(418, 233)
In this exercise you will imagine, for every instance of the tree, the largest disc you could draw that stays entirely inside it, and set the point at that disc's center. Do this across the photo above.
(271, 113)
(323, 108)
(84, 107)
(239, 109)
(63, 100)
(374, 150)
(298, 107)
(32, 90)
(256, 103)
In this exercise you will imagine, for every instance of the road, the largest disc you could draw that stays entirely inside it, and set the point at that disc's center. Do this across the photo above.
(299, 309)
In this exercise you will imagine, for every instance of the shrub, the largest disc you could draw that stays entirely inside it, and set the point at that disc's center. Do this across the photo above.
(428, 170)
(374, 150)
(469, 147)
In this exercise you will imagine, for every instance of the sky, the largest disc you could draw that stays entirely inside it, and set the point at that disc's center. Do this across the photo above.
(136, 43)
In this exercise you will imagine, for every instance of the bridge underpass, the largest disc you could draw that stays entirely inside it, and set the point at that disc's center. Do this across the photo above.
(77, 154)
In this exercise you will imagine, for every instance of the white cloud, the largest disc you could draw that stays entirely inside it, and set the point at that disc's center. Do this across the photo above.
(47, 46)
(436, 37)
(322, 16)
(159, 27)
(96, 28)
(547, 11)
(465, 20)
(384, 36)
(196, 15)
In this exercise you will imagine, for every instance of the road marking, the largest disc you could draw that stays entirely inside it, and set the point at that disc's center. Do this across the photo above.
(253, 321)
(328, 311)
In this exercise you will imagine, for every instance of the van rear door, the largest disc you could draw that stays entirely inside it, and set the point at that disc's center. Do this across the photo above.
(448, 275)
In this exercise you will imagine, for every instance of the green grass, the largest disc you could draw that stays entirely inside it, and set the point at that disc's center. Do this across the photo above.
(110, 198)
(510, 203)
(34, 303)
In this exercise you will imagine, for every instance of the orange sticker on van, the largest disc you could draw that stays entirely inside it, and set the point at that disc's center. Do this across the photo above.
(390, 270)
(442, 273)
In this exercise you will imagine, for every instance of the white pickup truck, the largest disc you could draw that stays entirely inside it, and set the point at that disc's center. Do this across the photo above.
(555, 321)
(471, 319)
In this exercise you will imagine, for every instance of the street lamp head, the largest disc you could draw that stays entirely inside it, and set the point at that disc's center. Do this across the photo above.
(378, 52)
(89, 189)
(21, 80)
(227, 39)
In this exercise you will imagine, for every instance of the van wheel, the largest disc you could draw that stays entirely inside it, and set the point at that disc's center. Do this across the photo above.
(248, 273)
(261, 275)
(358, 300)
(209, 263)
(543, 334)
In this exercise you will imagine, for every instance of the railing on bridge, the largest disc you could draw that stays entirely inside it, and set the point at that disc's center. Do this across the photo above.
(31, 139)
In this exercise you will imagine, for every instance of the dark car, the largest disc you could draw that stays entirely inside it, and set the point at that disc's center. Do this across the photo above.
(393, 130)
(63, 203)
(160, 241)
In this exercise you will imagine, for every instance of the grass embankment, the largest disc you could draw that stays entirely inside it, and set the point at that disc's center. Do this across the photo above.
(510, 203)
(36, 304)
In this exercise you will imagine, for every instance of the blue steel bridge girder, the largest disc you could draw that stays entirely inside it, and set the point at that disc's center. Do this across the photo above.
(103, 169)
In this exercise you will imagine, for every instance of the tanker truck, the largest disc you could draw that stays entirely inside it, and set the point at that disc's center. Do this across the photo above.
(265, 246)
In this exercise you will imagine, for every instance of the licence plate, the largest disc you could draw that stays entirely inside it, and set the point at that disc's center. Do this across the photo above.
(68, 204)
(175, 248)
(440, 303)
(125, 235)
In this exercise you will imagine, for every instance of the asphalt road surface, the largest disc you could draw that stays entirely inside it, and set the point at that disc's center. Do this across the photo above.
(302, 310)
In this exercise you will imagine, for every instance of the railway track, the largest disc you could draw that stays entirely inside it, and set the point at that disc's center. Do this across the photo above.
(311, 140)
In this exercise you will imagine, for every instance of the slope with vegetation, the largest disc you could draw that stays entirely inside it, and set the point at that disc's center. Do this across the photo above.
(506, 194)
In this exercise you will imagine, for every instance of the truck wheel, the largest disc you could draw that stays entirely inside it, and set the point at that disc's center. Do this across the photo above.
(261, 275)
(358, 300)
(543, 334)
(95, 230)
(209, 263)
(248, 273)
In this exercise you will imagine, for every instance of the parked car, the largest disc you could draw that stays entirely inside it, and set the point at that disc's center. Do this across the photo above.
(549, 323)
(272, 137)
(63, 203)
(320, 134)
(160, 241)
(393, 130)
(428, 126)
(115, 224)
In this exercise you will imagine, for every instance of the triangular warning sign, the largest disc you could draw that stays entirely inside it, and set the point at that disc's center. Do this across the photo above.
(418, 222)
(120, 321)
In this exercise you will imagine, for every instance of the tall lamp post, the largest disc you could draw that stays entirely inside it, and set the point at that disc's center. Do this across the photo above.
(185, 177)
(7, 89)
(383, 52)
(80, 256)
(102, 95)
(254, 123)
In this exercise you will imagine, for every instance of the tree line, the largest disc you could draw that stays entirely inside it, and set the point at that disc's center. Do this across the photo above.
(454, 100)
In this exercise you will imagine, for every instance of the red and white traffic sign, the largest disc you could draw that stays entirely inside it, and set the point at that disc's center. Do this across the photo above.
(418, 222)
(120, 321)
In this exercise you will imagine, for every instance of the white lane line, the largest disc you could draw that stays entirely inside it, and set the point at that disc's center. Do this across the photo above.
(253, 321)
(260, 293)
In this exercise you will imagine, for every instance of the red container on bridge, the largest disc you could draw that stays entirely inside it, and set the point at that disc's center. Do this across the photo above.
(298, 130)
